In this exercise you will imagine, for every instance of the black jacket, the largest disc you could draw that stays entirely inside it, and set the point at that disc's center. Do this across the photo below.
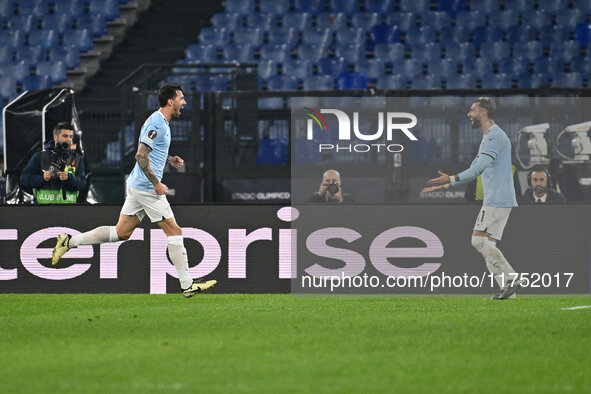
(317, 198)
(32, 175)
(552, 197)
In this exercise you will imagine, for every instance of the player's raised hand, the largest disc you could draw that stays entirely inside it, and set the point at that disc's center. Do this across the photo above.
(443, 179)
(176, 162)
(432, 188)
(161, 188)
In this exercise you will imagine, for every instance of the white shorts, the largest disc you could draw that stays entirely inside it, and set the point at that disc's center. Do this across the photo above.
(139, 203)
(492, 220)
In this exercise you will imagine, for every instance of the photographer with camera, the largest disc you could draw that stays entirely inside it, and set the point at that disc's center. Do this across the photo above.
(56, 175)
(330, 190)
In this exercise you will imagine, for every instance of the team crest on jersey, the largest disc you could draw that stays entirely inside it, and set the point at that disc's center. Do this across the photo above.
(152, 134)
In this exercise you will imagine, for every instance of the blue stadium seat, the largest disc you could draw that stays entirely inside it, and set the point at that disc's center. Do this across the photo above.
(351, 81)
(36, 82)
(529, 49)
(426, 82)
(331, 21)
(486, 33)
(312, 52)
(207, 53)
(482, 68)
(82, 40)
(494, 51)
(551, 6)
(554, 34)
(331, 66)
(6, 9)
(55, 71)
(516, 66)
(365, 20)
(404, 20)
(390, 53)
(415, 6)
(549, 66)
(227, 21)
(214, 36)
(569, 17)
(538, 20)
(392, 82)
(312, 35)
(583, 34)
(272, 151)
(7, 88)
(346, 6)
(466, 51)
(427, 52)
(6, 54)
(31, 54)
(46, 39)
(60, 23)
(242, 7)
(520, 33)
(533, 81)
(311, 6)
(352, 53)
(582, 5)
(354, 35)
(451, 6)
(318, 82)
(382, 34)
(437, 19)
(484, 6)
(581, 65)
(496, 81)
(297, 68)
(17, 70)
(12, 39)
(284, 35)
(373, 68)
(505, 20)
(24, 23)
(567, 50)
(453, 35)
(108, 8)
(266, 68)
(239, 53)
(276, 52)
(463, 81)
(282, 82)
(296, 20)
(470, 19)
(420, 35)
(96, 23)
(443, 67)
(379, 6)
(69, 55)
(522, 6)
(249, 36)
(274, 6)
(72, 8)
(409, 67)
(568, 80)
(265, 22)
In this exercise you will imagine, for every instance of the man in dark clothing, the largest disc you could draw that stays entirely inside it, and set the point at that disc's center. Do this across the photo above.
(56, 174)
(330, 190)
(540, 189)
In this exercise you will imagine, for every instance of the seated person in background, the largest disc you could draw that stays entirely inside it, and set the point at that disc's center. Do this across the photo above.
(57, 171)
(330, 190)
(540, 188)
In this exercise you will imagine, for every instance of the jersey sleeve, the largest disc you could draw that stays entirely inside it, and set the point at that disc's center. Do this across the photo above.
(152, 134)
(491, 146)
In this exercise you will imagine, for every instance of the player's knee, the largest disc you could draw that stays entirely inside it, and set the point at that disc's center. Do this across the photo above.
(124, 235)
(479, 243)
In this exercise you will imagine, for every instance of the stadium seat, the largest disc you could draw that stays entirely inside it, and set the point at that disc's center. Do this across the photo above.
(108, 8)
(551, 6)
(31, 54)
(58, 22)
(296, 20)
(522, 6)
(532, 81)
(318, 82)
(443, 67)
(352, 53)
(239, 53)
(331, 66)
(373, 69)
(390, 53)
(470, 19)
(482, 68)
(516, 66)
(276, 52)
(529, 49)
(82, 39)
(453, 35)
(494, 51)
(312, 52)
(56, 71)
(330, 21)
(520, 33)
(312, 35)
(266, 69)
(242, 7)
(46, 39)
(71, 8)
(581, 65)
(466, 51)
(274, 6)
(214, 36)
(354, 35)
(346, 6)
(379, 6)
(566, 50)
(12, 39)
(426, 82)
(404, 20)
(420, 35)
(409, 67)
(451, 6)
(227, 21)
(17, 70)
(24, 24)
(538, 20)
(415, 6)
(427, 52)
(272, 151)
(282, 82)
(484, 34)
(69, 55)
(392, 82)
(351, 81)
(297, 68)
(484, 6)
(583, 34)
(207, 53)
(569, 17)
(505, 20)
(264, 22)
(249, 36)
(568, 80)
(311, 6)
(437, 19)
(36, 82)
(6, 54)
(497, 81)
(554, 34)
(284, 35)
(464, 81)
(384, 34)
(365, 20)
(7, 87)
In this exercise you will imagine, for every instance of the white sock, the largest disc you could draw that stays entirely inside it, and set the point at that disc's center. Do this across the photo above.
(496, 263)
(99, 235)
(178, 255)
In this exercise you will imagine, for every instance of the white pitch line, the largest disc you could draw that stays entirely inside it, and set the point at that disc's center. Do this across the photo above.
(572, 308)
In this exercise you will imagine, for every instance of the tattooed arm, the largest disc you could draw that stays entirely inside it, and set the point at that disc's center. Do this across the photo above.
(143, 161)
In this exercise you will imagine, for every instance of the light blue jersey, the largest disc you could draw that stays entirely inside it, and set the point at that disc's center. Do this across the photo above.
(156, 134)
(493, 164)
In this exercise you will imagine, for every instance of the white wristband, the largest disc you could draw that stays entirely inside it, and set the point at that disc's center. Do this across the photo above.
(447, 185)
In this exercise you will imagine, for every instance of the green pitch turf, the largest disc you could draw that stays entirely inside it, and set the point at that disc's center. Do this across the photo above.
(278, 343)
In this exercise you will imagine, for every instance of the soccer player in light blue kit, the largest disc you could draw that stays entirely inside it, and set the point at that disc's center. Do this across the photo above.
(146, 194)
(493, 164)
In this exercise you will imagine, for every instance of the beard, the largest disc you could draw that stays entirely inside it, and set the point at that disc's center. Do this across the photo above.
(476, 123)
(539, 190)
